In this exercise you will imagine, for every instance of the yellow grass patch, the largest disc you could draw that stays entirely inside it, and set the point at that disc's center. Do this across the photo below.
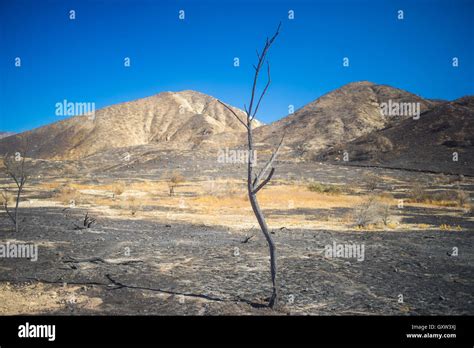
(41, 298)
(446, 227)
(224, 202)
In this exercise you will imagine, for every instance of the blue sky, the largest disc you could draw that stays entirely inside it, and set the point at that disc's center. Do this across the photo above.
(81, 60)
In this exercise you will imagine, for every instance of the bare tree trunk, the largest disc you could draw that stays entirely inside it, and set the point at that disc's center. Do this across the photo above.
(261, 220)
(16, 207)
(18, 173)
(255, 182)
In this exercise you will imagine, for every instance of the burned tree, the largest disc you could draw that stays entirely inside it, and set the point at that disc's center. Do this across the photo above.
(86, 223)
(256, 181)
(14, 167)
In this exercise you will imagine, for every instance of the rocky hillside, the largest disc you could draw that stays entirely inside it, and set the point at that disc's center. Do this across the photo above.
(433, 142)
(170, 120)
(339, 116)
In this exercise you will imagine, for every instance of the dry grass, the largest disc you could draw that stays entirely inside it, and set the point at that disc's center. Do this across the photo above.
(376, 210)
(222, 202)
(131, 204)
(8, 198)
(43, 298)
(118, 188)
(446, 198)
(68, 195)
(326, 188)
(371, 182)
(423, 226)
(173, 179)
(225, 202)
(225, 189)
(446, 227)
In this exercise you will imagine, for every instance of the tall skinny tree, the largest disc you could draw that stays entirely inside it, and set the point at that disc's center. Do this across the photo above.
(14, 166)
(257, 180)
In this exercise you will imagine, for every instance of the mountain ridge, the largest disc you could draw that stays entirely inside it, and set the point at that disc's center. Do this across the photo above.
(349, 118)
(184, 118)
(441, 140)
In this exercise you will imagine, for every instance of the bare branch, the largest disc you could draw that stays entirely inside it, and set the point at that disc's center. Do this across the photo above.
(86, 223)
(13, 176)
(233, 112)
(264, 182)
(261, 59)
(258, 54)
(263, 92)
(268, 164)
(246, 240)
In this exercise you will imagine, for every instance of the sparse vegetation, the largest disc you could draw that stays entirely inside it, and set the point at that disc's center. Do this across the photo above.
(383, 143)
(7, 198)
(325, 188)
(385, 212)
(68, 195)
(417, 193)
(371, 182)
(423, 226)
(118, 188)
(462, 197)
(374, 211)
(447, 198)
(14, 167)
(446, 227)
(87, 222)
(173, 179)
(133, 205)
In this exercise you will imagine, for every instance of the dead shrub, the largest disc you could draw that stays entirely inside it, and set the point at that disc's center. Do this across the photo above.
(445, 198)
(371, 182)
(374, 211)
(132, 204)
(118, 188)
(417, 193)
(173, 179)
(462, 198)
(383, 143)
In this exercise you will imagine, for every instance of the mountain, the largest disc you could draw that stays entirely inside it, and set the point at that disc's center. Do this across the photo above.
(339, 116)
(359, 118)
(5, 134)
(182, 120)
(429, 143)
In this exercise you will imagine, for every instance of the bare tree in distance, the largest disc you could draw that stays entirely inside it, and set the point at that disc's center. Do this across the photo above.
(14, 167)
(173, 180)
(256, 181)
